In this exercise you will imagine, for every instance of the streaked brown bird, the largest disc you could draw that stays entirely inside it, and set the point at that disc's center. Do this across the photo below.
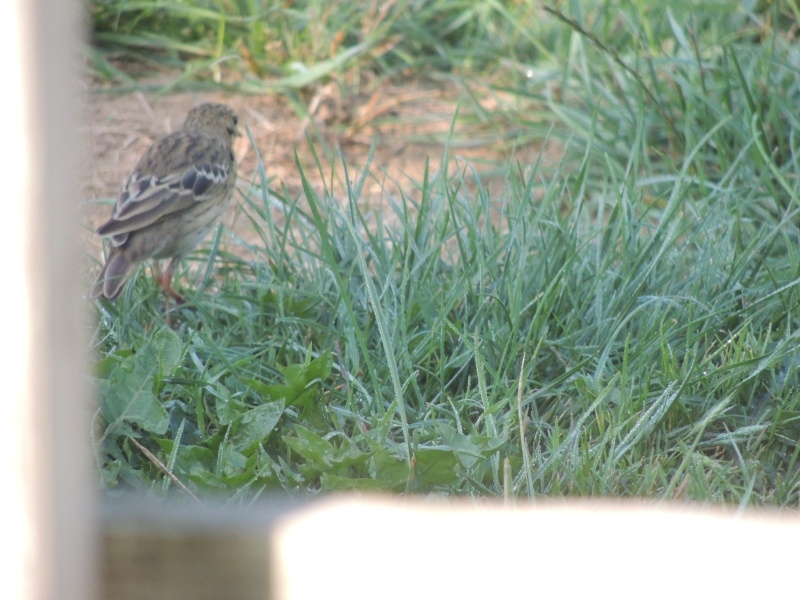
(176, 194)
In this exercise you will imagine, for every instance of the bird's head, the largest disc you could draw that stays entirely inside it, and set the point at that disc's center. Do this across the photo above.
(214, 118)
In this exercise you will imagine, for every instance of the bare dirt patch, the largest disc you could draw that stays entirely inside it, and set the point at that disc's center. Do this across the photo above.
(410, 125)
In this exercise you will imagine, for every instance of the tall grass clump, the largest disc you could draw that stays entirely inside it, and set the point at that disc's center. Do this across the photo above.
(623, 322)
(601, 349)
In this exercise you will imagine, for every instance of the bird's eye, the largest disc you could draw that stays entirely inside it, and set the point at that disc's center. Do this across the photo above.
(235, 120)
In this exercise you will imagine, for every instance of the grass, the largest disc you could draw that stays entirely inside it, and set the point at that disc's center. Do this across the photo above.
(624, 323)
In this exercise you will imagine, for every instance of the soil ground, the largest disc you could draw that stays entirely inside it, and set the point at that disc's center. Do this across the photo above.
(410, 125)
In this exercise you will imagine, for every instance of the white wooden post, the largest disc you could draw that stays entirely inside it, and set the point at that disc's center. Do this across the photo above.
(47, 545)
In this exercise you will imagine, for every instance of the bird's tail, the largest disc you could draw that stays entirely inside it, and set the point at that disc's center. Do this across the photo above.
(112, 278)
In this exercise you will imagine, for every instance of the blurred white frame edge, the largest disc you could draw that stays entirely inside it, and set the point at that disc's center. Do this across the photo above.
(48, 525)
(438, 548)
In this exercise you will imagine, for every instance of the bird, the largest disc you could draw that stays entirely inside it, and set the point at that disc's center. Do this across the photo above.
(175, 195)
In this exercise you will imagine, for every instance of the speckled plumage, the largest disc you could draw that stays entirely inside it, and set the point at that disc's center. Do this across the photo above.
(172, 199)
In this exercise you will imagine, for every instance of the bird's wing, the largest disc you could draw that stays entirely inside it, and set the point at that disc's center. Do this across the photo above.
(165, 184)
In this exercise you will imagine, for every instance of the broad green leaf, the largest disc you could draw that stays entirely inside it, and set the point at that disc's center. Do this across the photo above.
(334, 483)
(255, 425)
(302, 381)
(388, 467)
(469, 449)
(435, 466)
(128, 393)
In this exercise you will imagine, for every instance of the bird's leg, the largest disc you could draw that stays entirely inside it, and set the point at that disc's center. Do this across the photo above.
(164, 280)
